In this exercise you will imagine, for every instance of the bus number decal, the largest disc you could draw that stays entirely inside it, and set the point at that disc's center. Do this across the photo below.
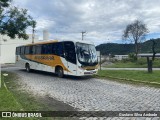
(44, 57)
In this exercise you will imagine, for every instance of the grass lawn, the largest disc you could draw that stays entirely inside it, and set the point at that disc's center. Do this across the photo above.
(141, 63)
(7, 100)
(141, 76)
(120, 64)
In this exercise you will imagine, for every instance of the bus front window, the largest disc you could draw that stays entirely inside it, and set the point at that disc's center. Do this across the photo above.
(86, 54)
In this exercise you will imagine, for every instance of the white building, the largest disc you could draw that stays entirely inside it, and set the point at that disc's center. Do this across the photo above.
(120, 57)
(8, 47)
(157, 55)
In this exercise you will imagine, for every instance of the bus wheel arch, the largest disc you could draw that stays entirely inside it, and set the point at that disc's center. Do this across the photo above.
(59, 71)
(27, 66)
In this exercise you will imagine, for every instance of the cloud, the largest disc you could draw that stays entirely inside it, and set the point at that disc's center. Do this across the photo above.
(104, 20)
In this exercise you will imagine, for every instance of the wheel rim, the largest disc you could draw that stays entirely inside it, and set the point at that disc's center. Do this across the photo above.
(27, 68)
(60, 72)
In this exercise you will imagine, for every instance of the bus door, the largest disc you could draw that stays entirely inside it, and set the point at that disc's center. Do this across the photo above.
(70, 56)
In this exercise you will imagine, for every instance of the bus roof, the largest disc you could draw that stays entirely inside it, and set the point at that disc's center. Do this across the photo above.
(54, 41)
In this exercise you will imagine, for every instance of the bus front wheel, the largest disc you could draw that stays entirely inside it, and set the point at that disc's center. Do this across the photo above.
(28, 68)
(59, 72)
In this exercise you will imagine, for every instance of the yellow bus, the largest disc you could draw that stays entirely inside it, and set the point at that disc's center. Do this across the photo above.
(61, 57)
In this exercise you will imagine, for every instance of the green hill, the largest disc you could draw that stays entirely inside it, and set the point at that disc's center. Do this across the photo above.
(119, 49)
(147, 46)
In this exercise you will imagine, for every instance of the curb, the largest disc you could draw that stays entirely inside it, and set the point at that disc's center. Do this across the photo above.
(155, 83)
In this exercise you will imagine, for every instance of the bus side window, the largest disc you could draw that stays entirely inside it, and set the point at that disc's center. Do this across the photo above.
(49, 48)
(38, 49)
(22, 50)
(30, 49)
(58, 49)
(53, 48)
(17, 50)
(70, 52)
(26, 50)
(34, 50)
(44, 49)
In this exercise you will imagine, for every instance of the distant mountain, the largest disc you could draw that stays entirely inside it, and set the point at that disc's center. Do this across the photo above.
(121, 49)
(147, 46)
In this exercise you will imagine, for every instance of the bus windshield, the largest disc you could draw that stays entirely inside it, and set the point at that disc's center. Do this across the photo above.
(86, 54)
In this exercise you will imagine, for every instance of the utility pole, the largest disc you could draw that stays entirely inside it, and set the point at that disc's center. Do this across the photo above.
(33, 30)
(33, 35)
(83, 32)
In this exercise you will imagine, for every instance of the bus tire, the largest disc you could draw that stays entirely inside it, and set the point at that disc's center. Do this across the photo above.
(59, 72)
(28, 68)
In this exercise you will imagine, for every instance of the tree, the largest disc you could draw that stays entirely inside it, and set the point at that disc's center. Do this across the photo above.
(135, 32)
(14, 21)
(150, 62)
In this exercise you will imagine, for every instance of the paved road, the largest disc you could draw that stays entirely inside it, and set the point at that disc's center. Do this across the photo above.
(144, 69)
(91, 94)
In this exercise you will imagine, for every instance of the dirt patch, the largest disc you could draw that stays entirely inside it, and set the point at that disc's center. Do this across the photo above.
(55, 105)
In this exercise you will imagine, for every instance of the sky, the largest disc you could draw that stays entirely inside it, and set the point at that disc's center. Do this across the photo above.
(103, 20)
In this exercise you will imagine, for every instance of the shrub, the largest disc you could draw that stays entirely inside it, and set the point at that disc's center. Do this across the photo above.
(126, 60)
(141, 61)
(132, 57)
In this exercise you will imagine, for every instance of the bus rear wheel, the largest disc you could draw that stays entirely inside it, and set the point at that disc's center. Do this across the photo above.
(59, 72)
(28, 68)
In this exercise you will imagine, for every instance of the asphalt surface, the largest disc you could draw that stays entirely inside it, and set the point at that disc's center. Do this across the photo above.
(141, 69)
(91, 94)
